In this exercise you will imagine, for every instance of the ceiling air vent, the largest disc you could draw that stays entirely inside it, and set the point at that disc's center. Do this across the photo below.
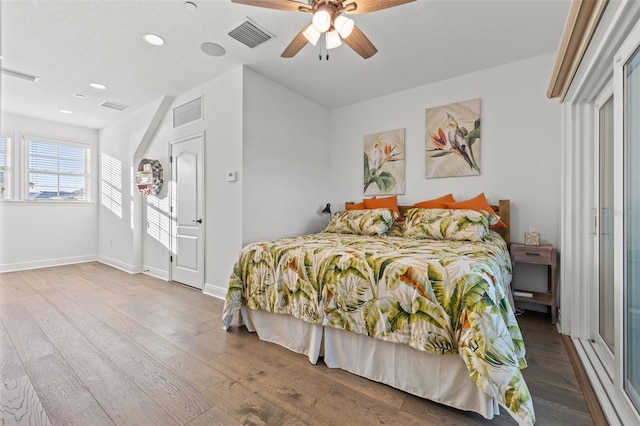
(249, 34)
(114, 105)
(21, 75)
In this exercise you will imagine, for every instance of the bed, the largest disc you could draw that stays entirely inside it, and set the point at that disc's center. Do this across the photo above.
(429, 316)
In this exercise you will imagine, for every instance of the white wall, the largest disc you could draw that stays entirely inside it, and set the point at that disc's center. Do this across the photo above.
(261, 130)
(222, 127)
(520, 159)
(118, 223)
(223, 151)
(38, 234)
(285, 161)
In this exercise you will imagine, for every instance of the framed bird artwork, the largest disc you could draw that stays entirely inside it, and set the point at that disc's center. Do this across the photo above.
(452, 140)
(384, 169)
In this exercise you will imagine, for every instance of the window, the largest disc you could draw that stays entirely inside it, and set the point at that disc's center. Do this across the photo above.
(631, 252)
(5, 170)
(57, 170)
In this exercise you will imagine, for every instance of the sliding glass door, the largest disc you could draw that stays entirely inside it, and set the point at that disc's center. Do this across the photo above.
(605, 245)
(631, 191)
(600, 245)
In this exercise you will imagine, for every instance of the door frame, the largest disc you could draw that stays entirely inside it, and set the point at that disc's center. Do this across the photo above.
(172, 192)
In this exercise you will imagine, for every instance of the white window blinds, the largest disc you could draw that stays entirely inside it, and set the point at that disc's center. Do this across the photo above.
(57, 171)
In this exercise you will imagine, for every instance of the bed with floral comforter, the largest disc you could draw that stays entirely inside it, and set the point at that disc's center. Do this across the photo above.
(437, 296)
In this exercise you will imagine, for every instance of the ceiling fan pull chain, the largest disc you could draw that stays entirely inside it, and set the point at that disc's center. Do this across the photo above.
(326, 49)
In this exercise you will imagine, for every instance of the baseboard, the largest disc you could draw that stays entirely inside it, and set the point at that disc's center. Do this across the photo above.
(132, 269)
(156, 273)
(216, 291)
(35, 264)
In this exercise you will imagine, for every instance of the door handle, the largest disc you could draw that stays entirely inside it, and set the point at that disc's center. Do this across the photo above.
(197, 221)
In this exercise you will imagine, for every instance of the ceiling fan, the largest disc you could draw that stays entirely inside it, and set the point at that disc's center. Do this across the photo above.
(328, 20)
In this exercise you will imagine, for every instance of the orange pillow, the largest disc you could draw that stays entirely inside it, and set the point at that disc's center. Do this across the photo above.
(436, 203)
(355, 206)
(479, 202)
(383, 203)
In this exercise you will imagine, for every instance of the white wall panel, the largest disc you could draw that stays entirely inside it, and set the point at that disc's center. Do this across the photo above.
(285, 161)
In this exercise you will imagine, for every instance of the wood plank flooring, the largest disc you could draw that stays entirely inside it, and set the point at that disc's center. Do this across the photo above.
(88, 344)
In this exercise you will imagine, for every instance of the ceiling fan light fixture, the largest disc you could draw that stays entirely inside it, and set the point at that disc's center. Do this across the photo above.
(344, 26)
(321, 20)
(311, 34)
(333, 39)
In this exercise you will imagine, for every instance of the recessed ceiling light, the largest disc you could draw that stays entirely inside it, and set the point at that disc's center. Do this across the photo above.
(190, 5)
(80, 96)
(65, 111)
(212, 49)
(153, 39)
(99, 86)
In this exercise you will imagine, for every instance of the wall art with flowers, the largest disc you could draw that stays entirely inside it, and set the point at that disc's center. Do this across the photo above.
(452, 140)
(384, 168)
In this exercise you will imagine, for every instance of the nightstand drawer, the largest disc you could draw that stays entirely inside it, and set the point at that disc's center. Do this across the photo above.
(532, 254)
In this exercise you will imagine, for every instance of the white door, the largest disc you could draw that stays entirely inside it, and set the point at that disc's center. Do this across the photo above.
(187, 205)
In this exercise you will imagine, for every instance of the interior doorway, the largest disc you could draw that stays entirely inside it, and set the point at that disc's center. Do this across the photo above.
(187, 211)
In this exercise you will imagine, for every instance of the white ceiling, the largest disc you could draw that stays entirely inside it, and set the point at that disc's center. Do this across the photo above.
(69, 44)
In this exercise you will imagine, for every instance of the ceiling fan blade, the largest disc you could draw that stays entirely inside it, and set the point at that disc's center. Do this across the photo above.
(296, 45)
(365, 6)
(360, 43)
(288, 5)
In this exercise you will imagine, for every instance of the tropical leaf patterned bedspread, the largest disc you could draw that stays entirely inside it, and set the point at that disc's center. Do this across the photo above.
(436, 296)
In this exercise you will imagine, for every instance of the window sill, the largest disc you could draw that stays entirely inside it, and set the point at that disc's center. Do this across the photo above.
(46, 203)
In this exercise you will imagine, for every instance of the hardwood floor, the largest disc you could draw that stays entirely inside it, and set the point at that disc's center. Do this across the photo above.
(88, 344)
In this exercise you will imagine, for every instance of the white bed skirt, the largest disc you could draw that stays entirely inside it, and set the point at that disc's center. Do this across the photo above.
(440, 378)
(286, 331)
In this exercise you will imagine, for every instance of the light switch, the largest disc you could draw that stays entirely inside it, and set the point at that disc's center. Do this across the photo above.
(232, 176)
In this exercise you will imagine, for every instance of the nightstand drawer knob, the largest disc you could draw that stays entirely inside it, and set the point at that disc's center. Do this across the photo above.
(532, 254)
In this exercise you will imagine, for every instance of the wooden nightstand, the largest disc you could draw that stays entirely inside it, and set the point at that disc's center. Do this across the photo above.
(544, 255)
